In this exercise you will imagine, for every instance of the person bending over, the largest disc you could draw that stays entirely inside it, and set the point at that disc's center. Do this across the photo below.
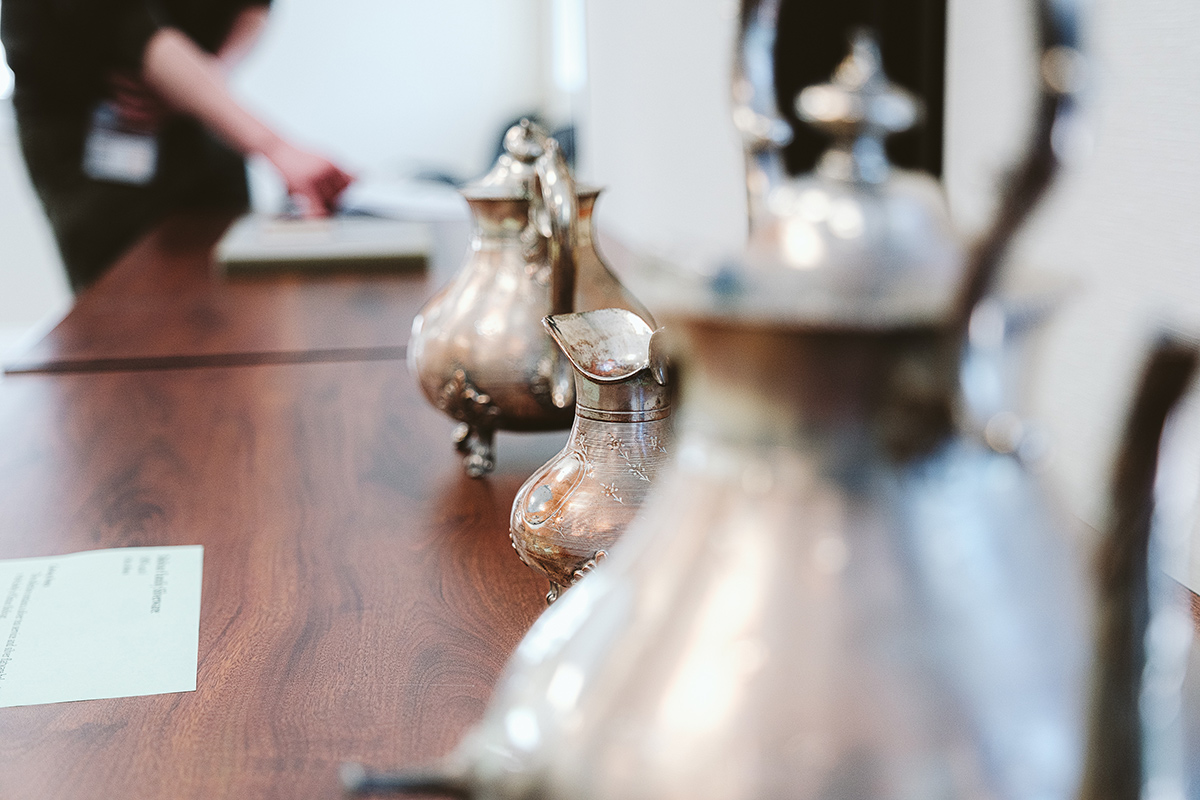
(124, 116)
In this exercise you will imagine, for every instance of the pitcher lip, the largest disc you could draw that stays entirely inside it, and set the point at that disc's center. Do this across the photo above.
(612, 369)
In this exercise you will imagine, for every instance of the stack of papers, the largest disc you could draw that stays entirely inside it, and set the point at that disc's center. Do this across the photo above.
(265, 243)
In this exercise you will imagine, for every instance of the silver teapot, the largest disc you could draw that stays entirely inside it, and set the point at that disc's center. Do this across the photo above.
(831, 592)
(478, 348)
(572, 510)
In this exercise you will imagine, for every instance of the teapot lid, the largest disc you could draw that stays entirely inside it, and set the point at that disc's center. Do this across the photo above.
(856, 243)
(513, 176)
(858, 109)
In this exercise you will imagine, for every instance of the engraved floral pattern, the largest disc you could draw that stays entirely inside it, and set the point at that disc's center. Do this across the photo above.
(582, 446)
(615, 466)
(614, 443)
(635, 467)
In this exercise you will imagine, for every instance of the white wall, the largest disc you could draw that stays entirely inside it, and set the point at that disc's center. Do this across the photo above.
(396, 85)
(656, 129)
(33, 288)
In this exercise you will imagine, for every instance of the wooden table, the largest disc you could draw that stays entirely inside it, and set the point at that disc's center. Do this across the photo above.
(360, 595)
(161, 306)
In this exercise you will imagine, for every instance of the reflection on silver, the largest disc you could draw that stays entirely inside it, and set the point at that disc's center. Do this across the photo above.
(478, 348)
(993, 362)
(755, 115)
(1170, 629)
(831, 592)
(856, 242)
(572, 510)
(797, 614)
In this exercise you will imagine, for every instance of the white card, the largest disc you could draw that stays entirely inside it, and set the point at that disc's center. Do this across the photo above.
(102, 623)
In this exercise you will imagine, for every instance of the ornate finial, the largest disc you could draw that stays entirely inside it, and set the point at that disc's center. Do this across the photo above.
(859, 108)
(525, 141)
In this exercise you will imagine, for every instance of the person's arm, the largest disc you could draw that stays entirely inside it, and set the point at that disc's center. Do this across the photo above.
(247, 27)
(192, 81)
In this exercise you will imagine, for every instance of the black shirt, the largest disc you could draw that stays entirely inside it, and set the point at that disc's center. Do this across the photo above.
(62, 51)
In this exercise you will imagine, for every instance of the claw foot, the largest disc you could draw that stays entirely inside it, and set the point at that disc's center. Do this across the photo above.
(479, 455)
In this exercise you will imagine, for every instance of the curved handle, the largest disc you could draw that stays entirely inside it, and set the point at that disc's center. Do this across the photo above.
(1114, 767)
(756, 116)
(562, 210)
(755, 113)
(1060, 69)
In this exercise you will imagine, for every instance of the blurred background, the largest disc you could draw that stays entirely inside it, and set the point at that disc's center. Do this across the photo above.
(396, 88)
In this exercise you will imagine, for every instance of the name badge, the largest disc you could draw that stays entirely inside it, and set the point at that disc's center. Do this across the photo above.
(115, 153)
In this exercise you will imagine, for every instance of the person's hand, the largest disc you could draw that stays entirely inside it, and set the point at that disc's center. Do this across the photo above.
(313, 182)
(138, 106)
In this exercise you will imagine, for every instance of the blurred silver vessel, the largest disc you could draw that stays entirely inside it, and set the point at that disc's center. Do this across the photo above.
(831, 592)
(571, 511)
(478, 348)
(756, 117)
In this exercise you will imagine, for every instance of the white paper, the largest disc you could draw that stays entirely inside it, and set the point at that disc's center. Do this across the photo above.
(103, 623)
(258, 237)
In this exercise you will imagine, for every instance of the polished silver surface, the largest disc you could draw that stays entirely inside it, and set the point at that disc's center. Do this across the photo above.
(478, 348)
(1170, 625)
(569, 513)
(859, 108)
(854, 243)
(763, 130)
(799, 613)
(831, 592)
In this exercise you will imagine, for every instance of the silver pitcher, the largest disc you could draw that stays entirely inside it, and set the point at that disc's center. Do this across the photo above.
(831, 592)
(572, 510)
(478, 348)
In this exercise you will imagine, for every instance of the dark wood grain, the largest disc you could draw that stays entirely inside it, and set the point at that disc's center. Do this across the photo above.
(360, 595)
(162, 301)
(151, 363)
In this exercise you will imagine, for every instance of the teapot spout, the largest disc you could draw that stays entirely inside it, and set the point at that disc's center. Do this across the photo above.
(607, 345)
(1061, 64)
